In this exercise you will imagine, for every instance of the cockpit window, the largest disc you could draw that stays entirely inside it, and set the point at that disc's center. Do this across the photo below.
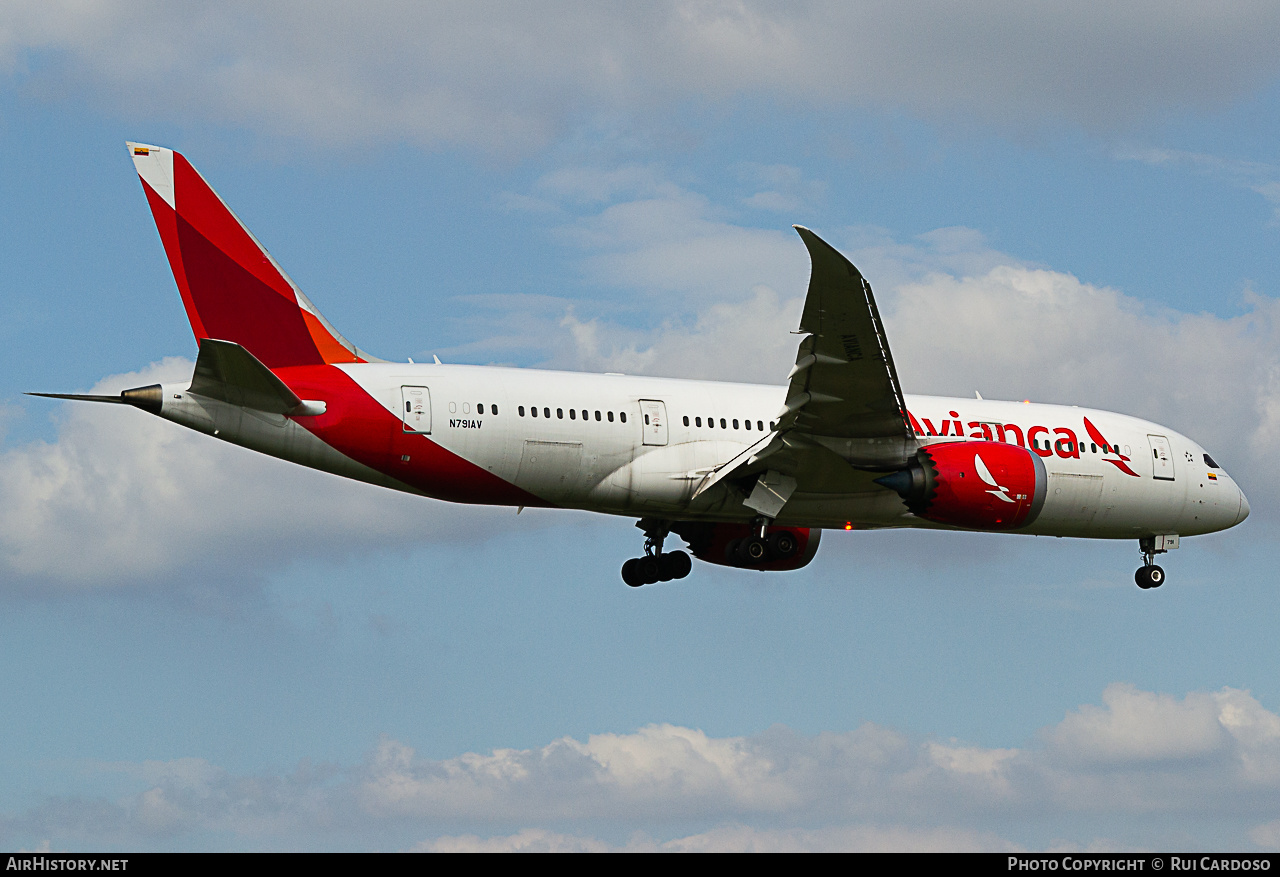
(1208, 461)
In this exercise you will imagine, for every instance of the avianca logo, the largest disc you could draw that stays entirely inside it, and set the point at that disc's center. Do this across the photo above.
(1000, 492)
(1118, 463)
(1042, 440)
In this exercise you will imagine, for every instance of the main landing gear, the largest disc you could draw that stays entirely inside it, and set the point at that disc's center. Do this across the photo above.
(1149, 575)
(655, 566)
(762, 547)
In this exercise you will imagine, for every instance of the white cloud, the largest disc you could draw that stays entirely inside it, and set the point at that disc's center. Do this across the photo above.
(498, 76)
(1205, 758)
(122, 498)
(1137, 726)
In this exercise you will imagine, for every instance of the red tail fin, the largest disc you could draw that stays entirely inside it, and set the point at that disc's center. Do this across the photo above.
(232, 288)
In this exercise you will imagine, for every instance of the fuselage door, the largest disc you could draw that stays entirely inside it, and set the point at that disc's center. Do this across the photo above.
(415, 409)
(1161, 458)
(653, 414)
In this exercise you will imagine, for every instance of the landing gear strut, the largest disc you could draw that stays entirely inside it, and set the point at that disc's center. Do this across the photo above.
(1149, 575)
(655, 566)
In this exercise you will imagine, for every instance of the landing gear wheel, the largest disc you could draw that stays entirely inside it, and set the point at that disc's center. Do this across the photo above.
(1149, 576)
(657, 565)
(783, 544)
(680, 564)
(648, 570)
(753, 551)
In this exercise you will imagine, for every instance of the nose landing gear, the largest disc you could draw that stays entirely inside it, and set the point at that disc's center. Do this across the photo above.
(655, 566)
(1149, 575)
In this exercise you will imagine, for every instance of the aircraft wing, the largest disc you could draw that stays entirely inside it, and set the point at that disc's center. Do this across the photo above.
(844, 422)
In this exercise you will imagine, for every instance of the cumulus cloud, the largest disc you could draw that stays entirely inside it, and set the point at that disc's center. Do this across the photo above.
(1204, 757)
(499, 76)
(122, 498)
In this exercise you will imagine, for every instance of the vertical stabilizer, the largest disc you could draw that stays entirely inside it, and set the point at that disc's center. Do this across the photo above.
(232, 289)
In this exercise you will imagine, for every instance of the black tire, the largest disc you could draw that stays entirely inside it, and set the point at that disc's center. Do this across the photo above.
(783, 544)
(648, 570)
(665, 571)
(731, 552)
(755, 551)
(1143, 577)
(630, 574)
(680, 564)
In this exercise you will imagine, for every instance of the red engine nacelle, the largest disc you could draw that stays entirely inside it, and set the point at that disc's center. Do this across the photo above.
(726, 544)
(978, 485)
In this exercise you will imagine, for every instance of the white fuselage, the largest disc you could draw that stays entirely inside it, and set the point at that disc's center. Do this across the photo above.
(589, 447)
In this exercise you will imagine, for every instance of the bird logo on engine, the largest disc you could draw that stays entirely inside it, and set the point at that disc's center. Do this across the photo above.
(1000, 492)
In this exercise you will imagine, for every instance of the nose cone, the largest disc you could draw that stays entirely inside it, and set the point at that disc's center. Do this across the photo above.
(1244, 507)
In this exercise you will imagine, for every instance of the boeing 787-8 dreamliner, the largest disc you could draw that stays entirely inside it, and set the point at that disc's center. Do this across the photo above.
(746, 475)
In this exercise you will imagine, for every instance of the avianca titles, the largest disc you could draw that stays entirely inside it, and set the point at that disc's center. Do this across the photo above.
(747, 476)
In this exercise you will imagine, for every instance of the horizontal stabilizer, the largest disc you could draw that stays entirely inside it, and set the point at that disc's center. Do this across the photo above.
(229, 373)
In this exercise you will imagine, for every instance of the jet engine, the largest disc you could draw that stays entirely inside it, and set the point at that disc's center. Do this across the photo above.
(740, 545)
(976, 485)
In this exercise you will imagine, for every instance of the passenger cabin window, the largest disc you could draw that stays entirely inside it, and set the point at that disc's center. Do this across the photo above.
(546, 412)
(610, 413)
(622, 415)
(573, 414)
(597, 415)
(480, 408)
(520, 410)
(697, 421)
(585, 415)
(723, 425)
(759, 424)
(533, 412)
(646, 420)
(686, 420)
(735, 423)
(560, 414)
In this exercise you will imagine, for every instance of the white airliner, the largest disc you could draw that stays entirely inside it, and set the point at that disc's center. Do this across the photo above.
(747, 476)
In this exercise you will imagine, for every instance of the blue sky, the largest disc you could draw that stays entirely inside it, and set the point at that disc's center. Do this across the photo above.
(212, 650)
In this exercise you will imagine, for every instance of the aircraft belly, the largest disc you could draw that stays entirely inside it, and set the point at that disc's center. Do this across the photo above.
(659, 480)
(271, 434)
